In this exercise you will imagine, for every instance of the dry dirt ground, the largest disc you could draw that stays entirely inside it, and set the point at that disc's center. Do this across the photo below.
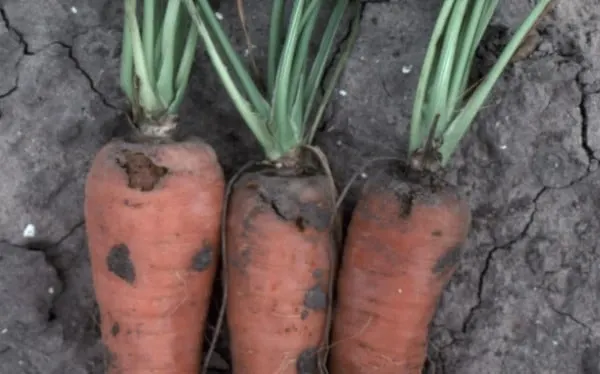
(526, 296)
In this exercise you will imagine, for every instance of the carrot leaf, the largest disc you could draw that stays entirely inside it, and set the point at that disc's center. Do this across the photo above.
(157, 57)
(442, 88)
(284, 117)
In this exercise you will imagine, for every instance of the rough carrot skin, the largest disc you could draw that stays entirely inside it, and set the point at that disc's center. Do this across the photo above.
(402, 247)
(153, 251)
(278, 246)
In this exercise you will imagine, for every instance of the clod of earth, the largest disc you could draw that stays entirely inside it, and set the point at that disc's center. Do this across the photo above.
(143, 174)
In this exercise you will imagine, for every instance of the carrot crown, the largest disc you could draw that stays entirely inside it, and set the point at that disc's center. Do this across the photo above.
(157, 58)
(444, 77)
(285, 114)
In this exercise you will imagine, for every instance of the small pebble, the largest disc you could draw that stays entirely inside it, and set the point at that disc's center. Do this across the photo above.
(338, 143)
(51, 290)
(407, 69)
(4, 331)
(343, 93)
(219, 16)
(29, 231)
(73, 10)
(363, 175)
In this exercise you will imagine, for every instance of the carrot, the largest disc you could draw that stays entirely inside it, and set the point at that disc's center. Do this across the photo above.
(279, 241)
(280, 251)
(402, 246)
(406, 232)
(152, 211)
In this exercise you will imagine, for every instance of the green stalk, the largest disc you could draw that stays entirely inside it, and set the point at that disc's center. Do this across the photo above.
(278, 119)
(230, 56)
(252, 119)
(337, 72)
(282, 82)
(149, 35)
(156, 60)
(126, 73)
(417, 127)
(166, 76)
(321, 60)
(275, 41)
(462, 69)
(445, 65)
(444, 77)
(301, 60)
(461, 123)
(185, 67)
(148, 98)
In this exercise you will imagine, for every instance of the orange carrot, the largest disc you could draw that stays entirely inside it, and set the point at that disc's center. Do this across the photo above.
(278, 246)
(279, 251)
(402, 246)
(153, 218)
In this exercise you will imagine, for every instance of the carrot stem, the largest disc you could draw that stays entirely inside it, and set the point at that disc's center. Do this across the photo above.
(443, 80)
(280, 117)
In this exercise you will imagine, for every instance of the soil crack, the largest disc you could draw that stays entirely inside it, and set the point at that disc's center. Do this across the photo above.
(20, 36)
(85, 74)
(584, 122)
(570, 317)
(489, 258)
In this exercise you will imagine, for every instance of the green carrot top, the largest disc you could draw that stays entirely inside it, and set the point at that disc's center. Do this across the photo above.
(286, 114)
(441, 115)
(156, 61)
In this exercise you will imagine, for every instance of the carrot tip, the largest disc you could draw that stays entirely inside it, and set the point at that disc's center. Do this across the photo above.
(119, 263)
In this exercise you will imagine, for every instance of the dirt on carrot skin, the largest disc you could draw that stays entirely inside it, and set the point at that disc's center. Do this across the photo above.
(402, 247)
(142, 172)
(153, 250)
(279, 244)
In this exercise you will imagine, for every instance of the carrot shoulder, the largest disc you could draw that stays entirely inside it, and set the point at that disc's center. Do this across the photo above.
(402, 247)
(278, 247)
(153, 218)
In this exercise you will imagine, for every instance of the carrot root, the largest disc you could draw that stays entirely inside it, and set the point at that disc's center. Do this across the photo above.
(402, 247)
(152, 218)
(278, 253)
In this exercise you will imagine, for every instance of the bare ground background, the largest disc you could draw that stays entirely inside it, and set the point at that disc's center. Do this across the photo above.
(525, 299)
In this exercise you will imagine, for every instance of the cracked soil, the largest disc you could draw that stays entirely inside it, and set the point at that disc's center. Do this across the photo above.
(525, 298)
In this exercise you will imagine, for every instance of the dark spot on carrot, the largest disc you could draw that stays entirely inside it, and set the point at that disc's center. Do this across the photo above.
(242, 260)
(287, 203)
(437, 233)
(307, 361)
(315, 298)
(300, 224)
(203, 258)
(115, 329)
(447, 261)
(119, 263)
(132, 204)
(142, 172)
(317, 274)
(304, 314)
